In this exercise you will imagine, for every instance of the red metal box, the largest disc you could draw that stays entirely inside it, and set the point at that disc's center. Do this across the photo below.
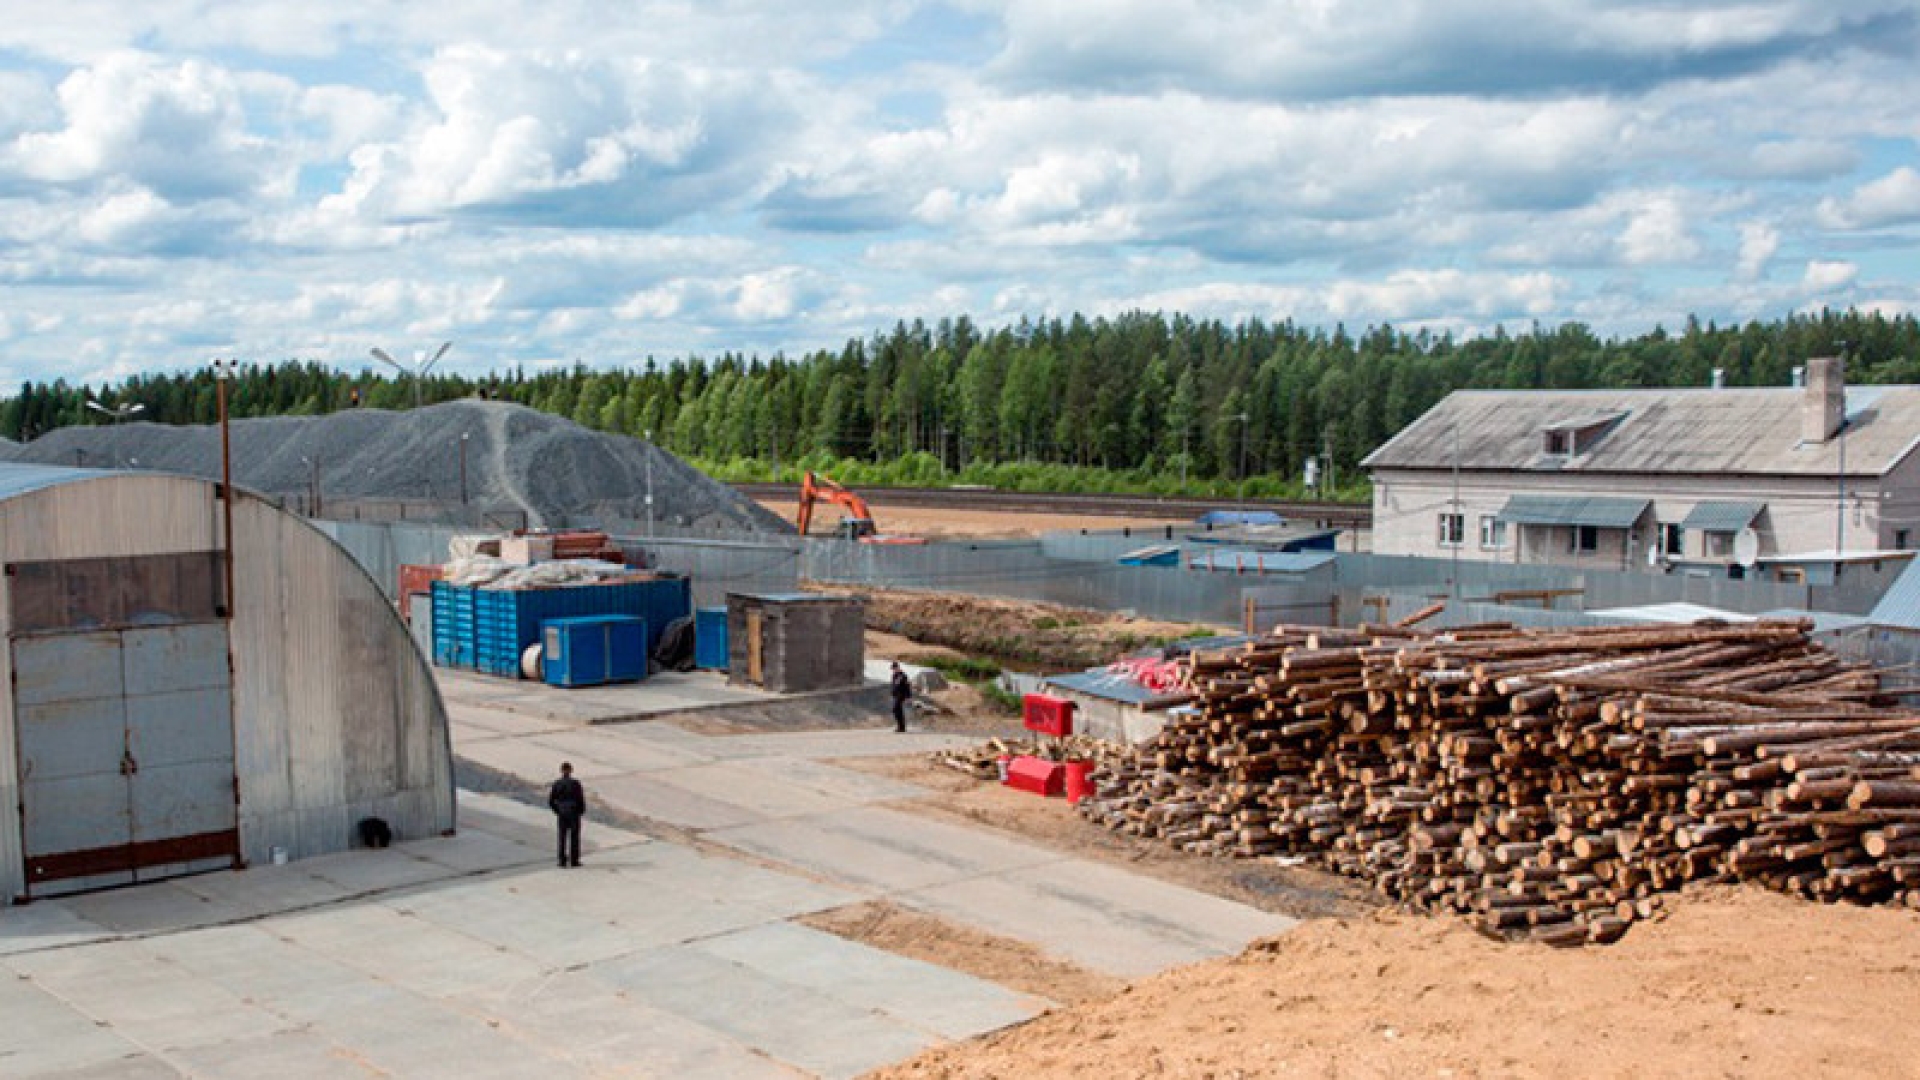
(1038, 775)
(1047, 715)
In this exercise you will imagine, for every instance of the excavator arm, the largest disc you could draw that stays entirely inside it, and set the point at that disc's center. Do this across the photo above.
(814, 489)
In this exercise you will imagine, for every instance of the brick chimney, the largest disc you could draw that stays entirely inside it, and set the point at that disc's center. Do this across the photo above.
(1823, 406)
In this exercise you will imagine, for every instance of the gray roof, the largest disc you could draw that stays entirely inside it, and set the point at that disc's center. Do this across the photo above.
(1751, 432)
(1900, 604)
(1573, 510)
(18, 479)
(1247, 560)
(1722, 516)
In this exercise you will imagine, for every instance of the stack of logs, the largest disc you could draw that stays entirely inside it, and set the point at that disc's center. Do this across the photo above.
(1549, 784)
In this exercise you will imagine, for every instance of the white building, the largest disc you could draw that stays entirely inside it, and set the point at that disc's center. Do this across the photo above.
(1778, 483)
(155, 725)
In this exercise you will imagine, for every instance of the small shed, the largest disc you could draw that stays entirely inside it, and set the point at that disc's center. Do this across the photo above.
(792, 642)
(156, 723)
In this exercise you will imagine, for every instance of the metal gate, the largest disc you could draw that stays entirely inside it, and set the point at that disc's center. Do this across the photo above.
(126, 755)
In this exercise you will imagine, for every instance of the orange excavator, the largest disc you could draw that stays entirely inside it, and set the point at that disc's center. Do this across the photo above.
(858, 522)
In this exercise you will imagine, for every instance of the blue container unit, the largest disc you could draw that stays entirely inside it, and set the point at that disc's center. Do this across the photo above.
(496, 625)
(710, 638)
(594, 650)
(453, 622)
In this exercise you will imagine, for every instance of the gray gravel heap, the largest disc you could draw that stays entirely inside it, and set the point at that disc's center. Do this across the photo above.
(516, 458)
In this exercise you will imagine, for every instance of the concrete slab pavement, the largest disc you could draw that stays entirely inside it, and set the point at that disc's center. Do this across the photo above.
(498, 965)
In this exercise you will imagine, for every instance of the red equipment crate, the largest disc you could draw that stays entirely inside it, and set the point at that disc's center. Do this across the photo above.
(416, 581)
(1047, 715)
(1038, 775)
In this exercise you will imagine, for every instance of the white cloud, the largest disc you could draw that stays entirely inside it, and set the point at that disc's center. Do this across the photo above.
(1893, 199)
(1658, 234)
(1825, 276)
(1759, 242)
(178, 129)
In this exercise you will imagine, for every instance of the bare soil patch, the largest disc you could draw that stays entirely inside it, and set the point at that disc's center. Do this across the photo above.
(1737, 982)
(1014, 964)
(1044, 636)
(934, 523)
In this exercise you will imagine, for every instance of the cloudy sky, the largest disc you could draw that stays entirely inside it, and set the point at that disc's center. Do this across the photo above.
(600, 180)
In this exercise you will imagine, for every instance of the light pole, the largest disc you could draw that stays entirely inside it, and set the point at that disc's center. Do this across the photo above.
(224, 368)
(649, 435)
(421, 365)
(115, 415)
(464, 436)
(118, 412)
(313, 485)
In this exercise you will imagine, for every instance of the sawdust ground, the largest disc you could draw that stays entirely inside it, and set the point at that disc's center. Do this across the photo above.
(935, 523)
(1737, 982)
(1016, 965)
(1023, 634)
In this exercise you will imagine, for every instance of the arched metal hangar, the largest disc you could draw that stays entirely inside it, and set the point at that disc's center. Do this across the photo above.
(150, 729)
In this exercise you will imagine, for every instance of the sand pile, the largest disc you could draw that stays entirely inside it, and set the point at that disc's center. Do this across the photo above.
(516, 457)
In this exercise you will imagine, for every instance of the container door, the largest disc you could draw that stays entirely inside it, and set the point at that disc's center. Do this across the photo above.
(69, 704)
(126, 755)
(180, 738)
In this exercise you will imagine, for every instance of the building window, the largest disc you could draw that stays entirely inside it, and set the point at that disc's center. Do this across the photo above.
(1453, 530)
(1493, 532)
(1899, 539)
(1719, 545)
(1791, 575)
(1673, 540)
(1557, 442)
(1586, 539)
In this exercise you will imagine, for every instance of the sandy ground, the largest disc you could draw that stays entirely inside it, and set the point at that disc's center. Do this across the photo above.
(936, 524)
(1737, 983)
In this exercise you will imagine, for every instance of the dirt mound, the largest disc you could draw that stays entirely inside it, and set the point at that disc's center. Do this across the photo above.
(1737, 982)
(515, 457)
(1043, 636)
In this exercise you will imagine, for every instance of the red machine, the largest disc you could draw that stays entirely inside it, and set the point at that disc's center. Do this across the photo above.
(858, 522)
(1047, 715)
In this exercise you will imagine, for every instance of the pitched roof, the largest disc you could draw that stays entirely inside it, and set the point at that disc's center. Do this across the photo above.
(1753, 432)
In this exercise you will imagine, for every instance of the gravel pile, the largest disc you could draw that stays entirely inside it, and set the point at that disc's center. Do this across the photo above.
(518, 458)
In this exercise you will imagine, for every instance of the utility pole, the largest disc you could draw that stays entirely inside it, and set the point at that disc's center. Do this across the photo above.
(464, 436)
(1840, 503)
(224, 368)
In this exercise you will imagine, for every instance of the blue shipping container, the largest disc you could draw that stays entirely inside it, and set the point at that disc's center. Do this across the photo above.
(594, 650)
(505, 621)
(710, 638)
(453, 614)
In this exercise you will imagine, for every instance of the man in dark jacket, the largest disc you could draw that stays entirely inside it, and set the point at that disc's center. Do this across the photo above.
(902, 692)
(568, 801)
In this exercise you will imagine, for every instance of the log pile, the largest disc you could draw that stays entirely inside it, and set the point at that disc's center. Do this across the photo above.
(1547, 784)
(982, 761)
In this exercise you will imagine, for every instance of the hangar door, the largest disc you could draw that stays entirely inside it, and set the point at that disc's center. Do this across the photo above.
(126, 753)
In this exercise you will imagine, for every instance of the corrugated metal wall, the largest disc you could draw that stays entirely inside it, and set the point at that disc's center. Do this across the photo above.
(337, 715)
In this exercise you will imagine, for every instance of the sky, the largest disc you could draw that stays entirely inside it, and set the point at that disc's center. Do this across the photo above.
(600, 181)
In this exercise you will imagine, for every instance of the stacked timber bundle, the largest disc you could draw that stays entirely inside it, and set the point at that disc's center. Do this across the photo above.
(1551, 784)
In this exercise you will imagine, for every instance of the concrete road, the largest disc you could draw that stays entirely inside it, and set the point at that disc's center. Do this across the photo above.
(474, 956)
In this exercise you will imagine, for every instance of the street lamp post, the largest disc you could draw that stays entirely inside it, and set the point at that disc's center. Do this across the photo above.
(464, 436)
(649, 435)
(116, 414)
(224, 368)
(421, 365)
(313, 485)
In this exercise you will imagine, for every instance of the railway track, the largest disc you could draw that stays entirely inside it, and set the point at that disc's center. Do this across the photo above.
(1338, 515)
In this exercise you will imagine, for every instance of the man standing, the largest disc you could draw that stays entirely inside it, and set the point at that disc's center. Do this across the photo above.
(902, 691)
(568, 801)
